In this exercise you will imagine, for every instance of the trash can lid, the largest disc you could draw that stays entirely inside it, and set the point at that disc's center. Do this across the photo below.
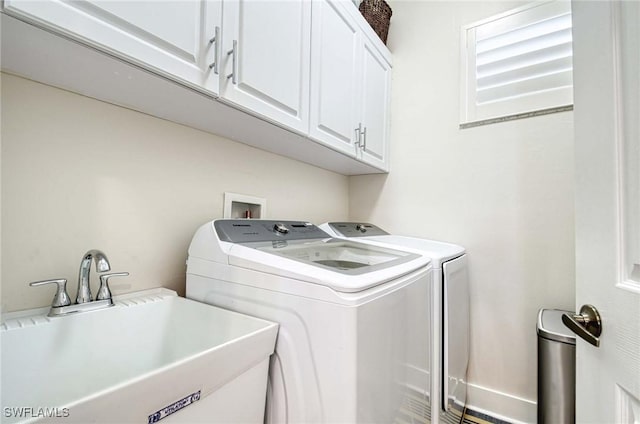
(550, 326)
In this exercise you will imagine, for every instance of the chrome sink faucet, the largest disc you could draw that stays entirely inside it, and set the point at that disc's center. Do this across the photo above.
(62, 305)
(102, 265)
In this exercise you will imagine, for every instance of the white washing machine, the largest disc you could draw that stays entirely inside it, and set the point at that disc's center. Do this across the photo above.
(450, 309)
(344, 352)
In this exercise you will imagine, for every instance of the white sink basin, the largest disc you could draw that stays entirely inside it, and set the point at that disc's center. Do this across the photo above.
(127, 362)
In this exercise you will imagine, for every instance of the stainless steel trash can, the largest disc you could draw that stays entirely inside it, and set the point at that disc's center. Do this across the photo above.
(556, 369)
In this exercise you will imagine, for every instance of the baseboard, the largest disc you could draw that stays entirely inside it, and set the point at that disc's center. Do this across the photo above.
(503, 406)
(417, 379)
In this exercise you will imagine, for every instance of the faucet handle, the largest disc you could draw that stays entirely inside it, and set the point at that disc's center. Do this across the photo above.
(103, 292)
(61, 298)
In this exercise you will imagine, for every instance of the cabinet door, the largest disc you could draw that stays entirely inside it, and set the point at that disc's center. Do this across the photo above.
(334, 77)
(172, 38)
(376, 90)
(267, 72)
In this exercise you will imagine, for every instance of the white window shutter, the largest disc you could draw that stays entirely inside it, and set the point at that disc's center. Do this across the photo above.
(518, 62)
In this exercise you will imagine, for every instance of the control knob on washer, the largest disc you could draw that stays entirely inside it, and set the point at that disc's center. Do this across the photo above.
(361, 228)
(279, 228)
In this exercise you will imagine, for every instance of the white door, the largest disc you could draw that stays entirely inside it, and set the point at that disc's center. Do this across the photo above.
(607, 145)
(375, 98)
(266, 59)
(173, 38)
(334, 77)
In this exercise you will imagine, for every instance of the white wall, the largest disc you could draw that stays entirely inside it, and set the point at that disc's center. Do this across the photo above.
(504, 191)
(78, 174)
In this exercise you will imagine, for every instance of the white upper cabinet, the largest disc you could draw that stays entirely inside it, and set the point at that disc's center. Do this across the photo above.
(173, 38)
(376, 89)
(350, 85)
(334, 77)
(266, 58)
(311, 75)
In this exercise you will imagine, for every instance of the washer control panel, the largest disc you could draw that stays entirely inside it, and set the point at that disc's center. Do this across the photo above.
(357, 229)
(247, 230)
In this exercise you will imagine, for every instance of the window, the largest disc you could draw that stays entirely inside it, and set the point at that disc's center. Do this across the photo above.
(517, 64)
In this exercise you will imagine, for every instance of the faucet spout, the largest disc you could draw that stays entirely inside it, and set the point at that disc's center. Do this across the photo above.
(102, 265)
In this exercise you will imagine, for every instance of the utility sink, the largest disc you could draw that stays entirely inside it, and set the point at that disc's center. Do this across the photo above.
(153, 356)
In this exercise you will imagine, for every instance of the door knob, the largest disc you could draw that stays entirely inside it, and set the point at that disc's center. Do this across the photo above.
(587, 324)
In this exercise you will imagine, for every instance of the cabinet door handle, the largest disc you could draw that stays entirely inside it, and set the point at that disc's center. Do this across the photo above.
(364, 138)
(234, 66)
(216, 50)
(358, 139)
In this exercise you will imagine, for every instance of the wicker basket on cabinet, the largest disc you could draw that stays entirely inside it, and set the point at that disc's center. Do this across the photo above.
(378, 14)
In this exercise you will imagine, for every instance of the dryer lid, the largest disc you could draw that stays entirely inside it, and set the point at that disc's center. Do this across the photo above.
(438, 251)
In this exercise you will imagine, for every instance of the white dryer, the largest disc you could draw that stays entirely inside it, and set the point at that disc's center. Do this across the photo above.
(450, 309)
(344, 352)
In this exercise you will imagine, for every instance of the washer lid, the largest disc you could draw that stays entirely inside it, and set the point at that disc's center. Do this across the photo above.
(342, 256)
(342, 265)
(550, 326)
(302, 251)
